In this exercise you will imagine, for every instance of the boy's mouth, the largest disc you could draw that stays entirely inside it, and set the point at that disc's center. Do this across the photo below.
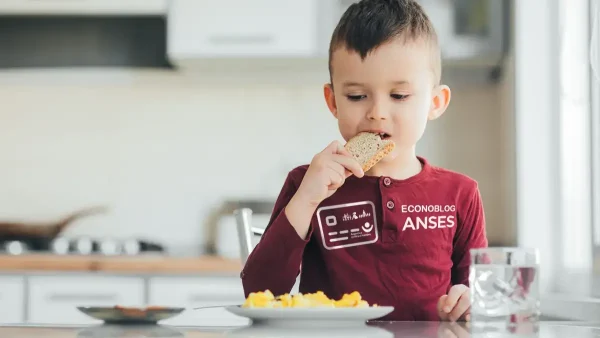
(384, 136)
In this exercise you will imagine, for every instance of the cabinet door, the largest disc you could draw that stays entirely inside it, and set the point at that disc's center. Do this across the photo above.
(95, 7)
(54, 299)
(237, 28)
(12, 300)
(199, 291)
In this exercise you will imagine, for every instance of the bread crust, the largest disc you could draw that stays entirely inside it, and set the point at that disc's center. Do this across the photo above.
(362, 144)
(383, 152)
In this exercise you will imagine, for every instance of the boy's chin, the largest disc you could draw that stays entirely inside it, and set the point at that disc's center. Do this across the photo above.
(390, 157)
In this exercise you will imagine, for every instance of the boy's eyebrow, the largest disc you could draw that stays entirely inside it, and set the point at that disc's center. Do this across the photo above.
(352, 84)
(358, 84)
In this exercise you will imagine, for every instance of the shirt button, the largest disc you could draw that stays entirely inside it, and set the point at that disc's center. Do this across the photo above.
(390, 205)
(387, 181)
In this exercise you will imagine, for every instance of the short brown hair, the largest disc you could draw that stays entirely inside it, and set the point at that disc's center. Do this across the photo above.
(368, 24)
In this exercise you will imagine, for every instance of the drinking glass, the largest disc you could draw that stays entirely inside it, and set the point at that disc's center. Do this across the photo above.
(504, 286)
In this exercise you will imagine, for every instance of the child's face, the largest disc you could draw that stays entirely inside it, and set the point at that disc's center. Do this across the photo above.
(391, 91)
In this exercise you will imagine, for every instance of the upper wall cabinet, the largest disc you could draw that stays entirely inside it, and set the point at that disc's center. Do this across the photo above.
(242, 28)
(471, 32)
(83, 7)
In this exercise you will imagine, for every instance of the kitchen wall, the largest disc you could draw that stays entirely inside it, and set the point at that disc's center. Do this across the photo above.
(162, 152)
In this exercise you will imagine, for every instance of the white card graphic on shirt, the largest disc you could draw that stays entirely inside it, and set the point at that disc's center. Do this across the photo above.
(346, 225)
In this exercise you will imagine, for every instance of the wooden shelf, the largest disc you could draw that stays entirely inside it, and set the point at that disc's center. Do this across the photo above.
(134, 264)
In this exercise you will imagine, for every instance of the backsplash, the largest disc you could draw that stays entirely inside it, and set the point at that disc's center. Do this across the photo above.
(161, 155)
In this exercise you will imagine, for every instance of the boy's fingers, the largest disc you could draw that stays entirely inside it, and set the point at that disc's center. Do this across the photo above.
(440, 306)
(337, 179)
(338, 171)
(349, 163)
(342, 156)
(342, 150)
(461, 308)
(455, 293)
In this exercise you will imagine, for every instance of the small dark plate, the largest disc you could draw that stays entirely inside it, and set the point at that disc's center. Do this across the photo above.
(130, 315)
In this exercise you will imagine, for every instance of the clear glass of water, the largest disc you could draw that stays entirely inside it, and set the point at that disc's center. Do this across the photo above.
(504, 286)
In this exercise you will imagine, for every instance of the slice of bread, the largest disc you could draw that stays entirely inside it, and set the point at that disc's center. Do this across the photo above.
(369, 148)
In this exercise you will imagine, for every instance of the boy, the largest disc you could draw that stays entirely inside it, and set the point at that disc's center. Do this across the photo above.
(400, 233)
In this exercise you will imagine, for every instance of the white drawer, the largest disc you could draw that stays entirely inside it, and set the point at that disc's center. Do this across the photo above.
(55, 299)
(195, 292)
(12, 300)
(247, 28)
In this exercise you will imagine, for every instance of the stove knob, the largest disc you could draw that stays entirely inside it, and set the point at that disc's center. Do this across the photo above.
(109, 247)
(131, 247)
(84, 246)
(15, 247)
(60, 246)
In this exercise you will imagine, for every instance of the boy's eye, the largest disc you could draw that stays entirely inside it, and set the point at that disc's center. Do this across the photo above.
(355, 97)
(399, 96)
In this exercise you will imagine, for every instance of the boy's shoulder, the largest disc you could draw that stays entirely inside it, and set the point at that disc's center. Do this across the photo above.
(455, 179)
(299, 170)
(297, 174)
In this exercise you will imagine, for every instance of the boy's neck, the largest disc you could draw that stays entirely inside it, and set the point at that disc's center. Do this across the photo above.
(405, 165)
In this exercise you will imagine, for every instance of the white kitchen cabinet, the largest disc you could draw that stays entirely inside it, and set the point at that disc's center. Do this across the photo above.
(93, 7)
(54, 299)
(195, 292)
(242, 28)
(12, 290)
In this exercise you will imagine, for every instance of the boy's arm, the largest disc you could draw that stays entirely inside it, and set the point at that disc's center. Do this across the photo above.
(275, 262)
(470, 234)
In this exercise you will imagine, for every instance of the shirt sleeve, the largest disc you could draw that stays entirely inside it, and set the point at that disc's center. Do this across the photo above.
(470, 234)
(274, 263)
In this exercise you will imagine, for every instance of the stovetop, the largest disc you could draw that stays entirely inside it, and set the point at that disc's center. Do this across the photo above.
(79, 246)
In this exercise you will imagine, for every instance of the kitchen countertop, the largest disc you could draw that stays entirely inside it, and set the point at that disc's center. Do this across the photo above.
(119, 264)
(575, 295)
(384, 329)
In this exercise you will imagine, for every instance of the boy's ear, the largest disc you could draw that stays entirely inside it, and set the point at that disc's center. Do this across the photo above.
(330, 98)
(439, 101)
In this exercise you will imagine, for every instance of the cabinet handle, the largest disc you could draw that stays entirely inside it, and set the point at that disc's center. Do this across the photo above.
(70, 297)
(241, 39)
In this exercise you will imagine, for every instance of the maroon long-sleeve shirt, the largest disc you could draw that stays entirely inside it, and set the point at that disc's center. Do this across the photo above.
(402, 243)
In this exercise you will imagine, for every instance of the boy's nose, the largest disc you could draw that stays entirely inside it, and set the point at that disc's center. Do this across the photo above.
(378, 112)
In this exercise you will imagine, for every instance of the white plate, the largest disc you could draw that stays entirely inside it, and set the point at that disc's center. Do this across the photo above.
(287, 317)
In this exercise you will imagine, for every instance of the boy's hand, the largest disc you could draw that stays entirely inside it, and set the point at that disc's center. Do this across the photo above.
(327, 172)
(456, 304)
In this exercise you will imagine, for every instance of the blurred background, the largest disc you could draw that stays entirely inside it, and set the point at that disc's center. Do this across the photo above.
(165, 115)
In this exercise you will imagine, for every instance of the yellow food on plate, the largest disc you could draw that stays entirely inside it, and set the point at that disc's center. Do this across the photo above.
(266, 299)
